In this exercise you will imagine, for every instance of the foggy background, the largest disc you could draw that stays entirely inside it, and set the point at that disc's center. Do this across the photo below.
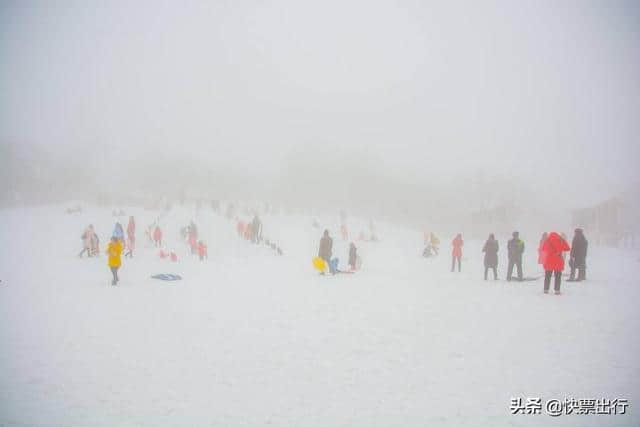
(411, 109)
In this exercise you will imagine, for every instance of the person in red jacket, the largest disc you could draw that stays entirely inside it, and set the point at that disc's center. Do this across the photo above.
(456, 254)
(202, 250)
(240, 228)
(541, 253)
(553, 247)
(157, 236)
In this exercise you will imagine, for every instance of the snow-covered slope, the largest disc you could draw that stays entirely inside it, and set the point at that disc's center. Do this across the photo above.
(250, 338)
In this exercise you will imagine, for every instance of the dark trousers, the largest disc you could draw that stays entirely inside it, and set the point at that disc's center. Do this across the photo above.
(518, 264)
(114, 271)
(453, 263)
(495, 272)
(582, 273)
(557, 275)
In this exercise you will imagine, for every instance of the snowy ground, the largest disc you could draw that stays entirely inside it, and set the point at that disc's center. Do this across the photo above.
(252, 339)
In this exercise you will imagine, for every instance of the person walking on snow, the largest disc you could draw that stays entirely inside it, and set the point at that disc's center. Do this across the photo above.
(541, 254)
(157, 236)
(353, 256)
(326, 245)
(131, 227)
(456, 254)
(553, 263)
(87, 242)
(578, 256)
(490, 250)
(344, 232)
(515, 249)
(114, 250)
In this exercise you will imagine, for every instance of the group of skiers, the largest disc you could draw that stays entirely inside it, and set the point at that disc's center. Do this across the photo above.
(551, 255)
(325, 252)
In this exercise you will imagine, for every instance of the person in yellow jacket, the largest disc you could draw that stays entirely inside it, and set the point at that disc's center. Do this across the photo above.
(114, 250)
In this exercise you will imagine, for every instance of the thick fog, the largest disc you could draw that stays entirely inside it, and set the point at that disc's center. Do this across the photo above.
(417, 107)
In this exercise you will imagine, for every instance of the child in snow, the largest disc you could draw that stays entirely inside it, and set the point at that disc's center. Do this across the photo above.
(456, 254)
(553, 247)
(118, 232)
(114, 250)
(157, 237)
(87, 238)
(202, 250)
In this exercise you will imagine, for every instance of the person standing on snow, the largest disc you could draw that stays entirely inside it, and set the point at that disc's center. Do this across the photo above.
(202, 250)
(435, 243)
(553, 263)
(490, 250)
(515, 249)
(540, 251)
(157, 236)
(456, 254)
(131, 237)
(578, 256)
(114, 250)
(344, 232)
(256, 230)
(326, 245)
(353, 256)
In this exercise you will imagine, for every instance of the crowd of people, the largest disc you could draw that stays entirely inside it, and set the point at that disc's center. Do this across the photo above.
(552, 250)
(325, 252)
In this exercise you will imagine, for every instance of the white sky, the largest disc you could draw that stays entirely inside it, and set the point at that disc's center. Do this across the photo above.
(546, 92)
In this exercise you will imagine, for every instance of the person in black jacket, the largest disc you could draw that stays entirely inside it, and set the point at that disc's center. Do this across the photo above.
(326, 245)
(515, 249)
(490, 250)
(353, 255)
(578, 256)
